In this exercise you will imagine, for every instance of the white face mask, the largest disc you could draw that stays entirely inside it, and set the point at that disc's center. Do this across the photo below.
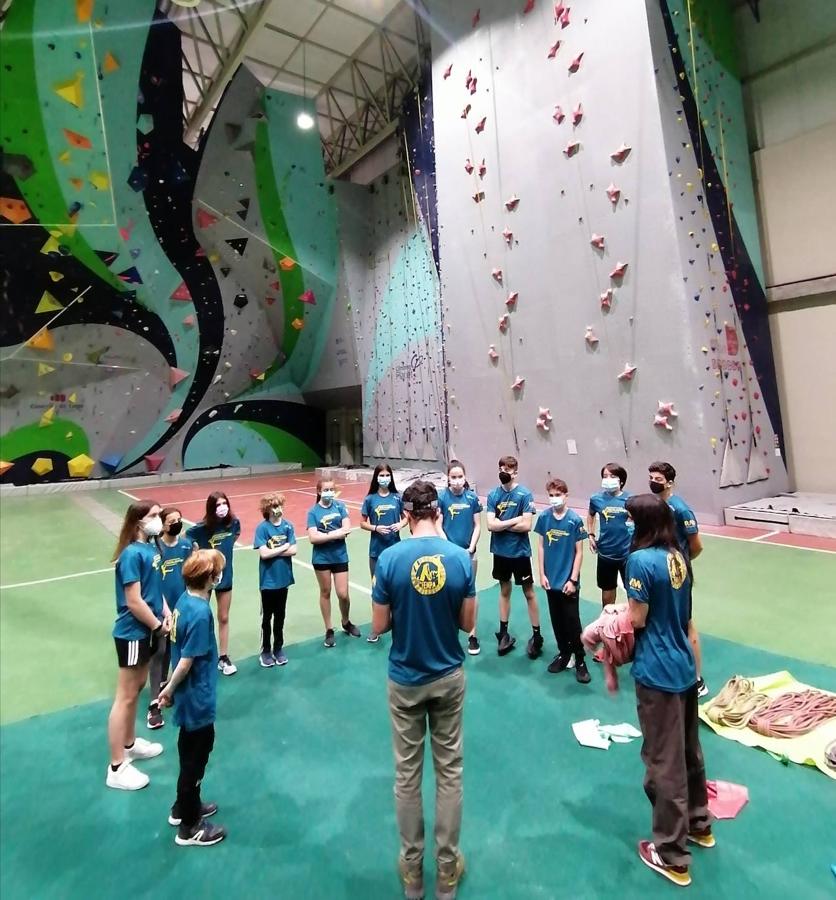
(327, 496)
(557, 502)
(276, 512)
(384, 480)
(218, 579)
(222, 510)
(153, 527)
(611, 485)
(457, 484)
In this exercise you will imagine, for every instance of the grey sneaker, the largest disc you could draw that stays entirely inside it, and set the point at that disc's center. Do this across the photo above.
(280, 658)
(206, 810)
(329, 638)
(202, 835)
(351, 629)
(505, 643)
(412, 879)
(447, 880)
(535, 646)
(266, 660)
(372, 637)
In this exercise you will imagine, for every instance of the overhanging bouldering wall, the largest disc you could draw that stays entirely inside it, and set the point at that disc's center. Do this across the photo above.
(585, 289)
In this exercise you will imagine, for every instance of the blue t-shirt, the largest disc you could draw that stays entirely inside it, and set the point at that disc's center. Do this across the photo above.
(223, 538)
(685, 522)
(278, 571)
(424, 581)
(663, 657)
(560, 538)
(457, 515)
(137, 562)
(325, 519)
(508, 505)
(382, 511)
(172, 568)
(613, 538)
(193, 637)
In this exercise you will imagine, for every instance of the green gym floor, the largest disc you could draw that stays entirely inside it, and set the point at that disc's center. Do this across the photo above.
(302, 768)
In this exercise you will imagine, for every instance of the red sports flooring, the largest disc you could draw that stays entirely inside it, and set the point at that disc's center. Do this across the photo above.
(299, 489)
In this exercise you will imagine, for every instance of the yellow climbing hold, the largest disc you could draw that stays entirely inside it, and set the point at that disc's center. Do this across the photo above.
(99, 180)
(64, 157)
(80, 466)
(42, 465)
(44, 369)
(51, 246)
(73, 398)
(42, 340)
(47, 418)
(48, 303)
(67, 357)
(71, 90)
(55, 276)
(298, 324)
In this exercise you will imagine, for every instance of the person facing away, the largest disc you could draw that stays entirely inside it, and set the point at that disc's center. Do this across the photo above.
(424, 592)
(665, 672)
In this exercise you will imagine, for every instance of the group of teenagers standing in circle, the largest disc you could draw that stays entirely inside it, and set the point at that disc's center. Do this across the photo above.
(164, 580)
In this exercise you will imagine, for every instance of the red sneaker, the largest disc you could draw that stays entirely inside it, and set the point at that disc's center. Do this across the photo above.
(649, 855)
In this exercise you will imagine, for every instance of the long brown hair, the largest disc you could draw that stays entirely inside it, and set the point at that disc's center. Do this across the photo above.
(211, 520)
(135, 514)
(654, 522)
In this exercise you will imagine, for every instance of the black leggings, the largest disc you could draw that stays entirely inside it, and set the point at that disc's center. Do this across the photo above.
(194, 748)
(566, 623)
(273, 606)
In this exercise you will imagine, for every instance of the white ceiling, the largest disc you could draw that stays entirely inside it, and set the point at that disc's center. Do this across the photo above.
(324, 49)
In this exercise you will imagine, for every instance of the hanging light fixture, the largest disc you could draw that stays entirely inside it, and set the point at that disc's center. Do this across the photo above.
(304, 120)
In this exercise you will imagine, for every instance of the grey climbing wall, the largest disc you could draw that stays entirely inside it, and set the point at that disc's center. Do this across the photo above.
(571, 329)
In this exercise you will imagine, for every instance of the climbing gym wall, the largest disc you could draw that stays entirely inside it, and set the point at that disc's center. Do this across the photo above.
(162, 308)
(599, 271)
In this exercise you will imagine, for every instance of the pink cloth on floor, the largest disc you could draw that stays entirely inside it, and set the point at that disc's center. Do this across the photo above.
(613, 629)
(725, 799)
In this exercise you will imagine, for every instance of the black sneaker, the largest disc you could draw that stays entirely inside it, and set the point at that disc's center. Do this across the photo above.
(702, 688)
(581, 672)
(534, 648)
(155, 717)
(473, 647)
(202, 835)
(558, 664)
(206, 810)
(351, 629)
(505, 643)
(329, 638)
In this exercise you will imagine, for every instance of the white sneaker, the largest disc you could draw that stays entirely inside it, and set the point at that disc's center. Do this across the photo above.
(143, 749)
(226, 666)
(126, 777)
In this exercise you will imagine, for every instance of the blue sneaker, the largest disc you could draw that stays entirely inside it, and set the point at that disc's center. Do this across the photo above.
(280, 658)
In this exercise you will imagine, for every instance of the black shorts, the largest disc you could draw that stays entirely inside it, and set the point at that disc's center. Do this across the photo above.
(608, 571)
(518, 567)
(134, 653)
(333, 568)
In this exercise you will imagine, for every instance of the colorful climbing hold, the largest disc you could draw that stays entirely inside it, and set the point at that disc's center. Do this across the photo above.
(42, 466)
(80, 466)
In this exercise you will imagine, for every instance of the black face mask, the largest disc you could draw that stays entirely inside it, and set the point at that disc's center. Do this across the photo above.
(175, 529)
(505, 478)
(656, 487)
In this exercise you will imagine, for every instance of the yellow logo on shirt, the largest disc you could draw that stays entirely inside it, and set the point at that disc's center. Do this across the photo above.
(636, 585)
(506, 504)
(611, 512)
(325, 521)
(555, 534)
(276, 541)
(689, 523)
(217, 539)
(455, 508)
(169, 565)
(156, 562)
(384, 508)
(428, 575)
(677, 570)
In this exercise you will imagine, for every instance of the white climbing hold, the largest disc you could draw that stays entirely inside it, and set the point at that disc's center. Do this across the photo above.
(590, 337)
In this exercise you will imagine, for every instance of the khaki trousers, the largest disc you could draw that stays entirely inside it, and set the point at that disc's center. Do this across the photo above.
(441, 704)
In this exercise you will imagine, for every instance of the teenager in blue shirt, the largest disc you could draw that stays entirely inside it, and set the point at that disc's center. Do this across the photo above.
(141, 621)
(193, 692)
(382, 515)
(219, 530)
(613, 541)
(174, 550)
(460, 522)
(510, 518)
(424, 592)
(275, 541)
(659, 598)
(328, 526)
(662, 478)
(559, 555)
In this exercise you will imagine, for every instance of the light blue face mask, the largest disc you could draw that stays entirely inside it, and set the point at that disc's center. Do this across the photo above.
(384, 480)
(327, 496)
(556, 502)
(630, 525)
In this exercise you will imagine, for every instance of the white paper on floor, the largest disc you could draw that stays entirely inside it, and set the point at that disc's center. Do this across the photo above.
(591, 733)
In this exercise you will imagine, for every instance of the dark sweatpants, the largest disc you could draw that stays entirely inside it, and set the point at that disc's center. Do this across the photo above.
(273, 607)
(674, 769)
(566, 623)
(194, 748)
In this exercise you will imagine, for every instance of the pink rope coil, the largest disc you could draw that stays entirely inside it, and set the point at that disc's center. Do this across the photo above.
(794, 713)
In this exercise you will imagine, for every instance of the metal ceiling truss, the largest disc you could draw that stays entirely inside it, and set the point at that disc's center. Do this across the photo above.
(352, 120)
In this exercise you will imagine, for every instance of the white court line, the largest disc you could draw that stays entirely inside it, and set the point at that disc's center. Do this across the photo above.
(20, 584)
(762, 537)
(311, 492)
(729, 537)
